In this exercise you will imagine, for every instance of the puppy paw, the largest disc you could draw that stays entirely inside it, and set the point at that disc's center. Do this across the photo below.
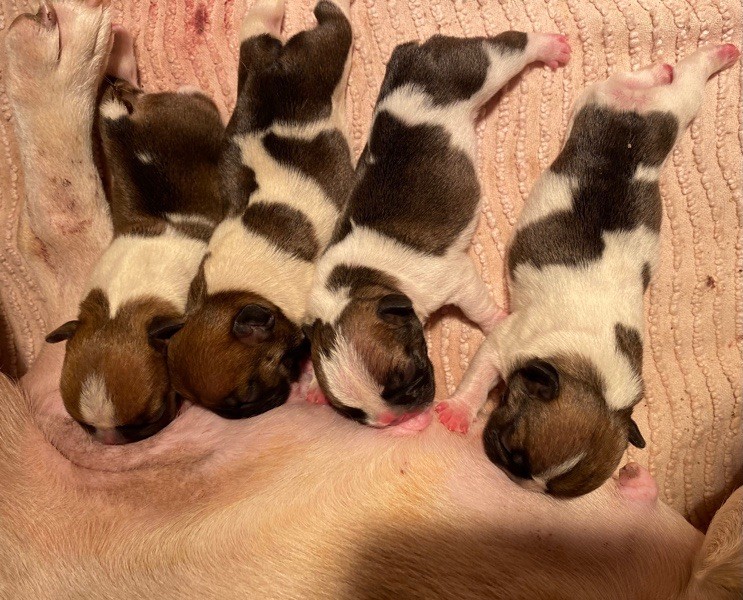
(550, 48)
(455, 415)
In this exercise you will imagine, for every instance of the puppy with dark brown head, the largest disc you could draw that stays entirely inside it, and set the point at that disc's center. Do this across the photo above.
(286, 173)
(584, 251)
(164, 204)
(400, 250)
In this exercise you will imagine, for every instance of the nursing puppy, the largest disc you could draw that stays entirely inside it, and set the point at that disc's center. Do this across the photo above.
(399, 252)
(164, 204)
(286, 173)
(584, 251)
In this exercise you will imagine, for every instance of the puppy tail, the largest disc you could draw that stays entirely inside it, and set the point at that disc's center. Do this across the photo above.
(718, 567)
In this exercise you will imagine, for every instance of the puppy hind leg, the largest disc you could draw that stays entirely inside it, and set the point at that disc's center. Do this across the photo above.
(511, 51)
(684, 96)
(322, 82)
(260, 40)
(265, 16)
(473, 298)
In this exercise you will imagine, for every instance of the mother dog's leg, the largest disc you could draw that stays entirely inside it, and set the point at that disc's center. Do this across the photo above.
(56, 59)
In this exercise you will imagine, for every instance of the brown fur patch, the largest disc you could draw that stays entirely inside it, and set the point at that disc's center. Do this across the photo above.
(209, 365)
(543, 434)
(629, 343)
(147, 170)
(118, 351)
(285, 227)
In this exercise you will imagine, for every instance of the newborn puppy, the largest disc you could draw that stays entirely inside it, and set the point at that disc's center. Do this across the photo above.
(399, 252)
(164, 204)
(286, 173)
(584, 250)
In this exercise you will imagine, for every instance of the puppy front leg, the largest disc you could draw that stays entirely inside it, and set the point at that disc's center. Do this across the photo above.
(460, 410)
(56, 60)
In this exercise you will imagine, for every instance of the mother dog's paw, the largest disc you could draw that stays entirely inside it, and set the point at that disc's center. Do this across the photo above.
(60, 49)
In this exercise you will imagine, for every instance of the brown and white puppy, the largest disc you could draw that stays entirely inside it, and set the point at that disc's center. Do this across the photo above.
(164, 204)
(400, 250)
(584, 251)
(286, 173)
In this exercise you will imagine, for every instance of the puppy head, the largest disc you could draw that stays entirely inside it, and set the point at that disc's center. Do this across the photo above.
(372, 362)
(237, 355)
(161, 151)
(114, 378)
(553, 431)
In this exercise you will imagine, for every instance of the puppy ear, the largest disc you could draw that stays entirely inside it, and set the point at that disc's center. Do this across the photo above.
(63, 332)
(540, 379)
(395, 308)
(253, 324)
(634, 436)
(160, 331)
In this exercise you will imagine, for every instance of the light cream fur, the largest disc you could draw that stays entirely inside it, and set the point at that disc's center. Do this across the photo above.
(96, 406)
(136, 267)
(240, 259)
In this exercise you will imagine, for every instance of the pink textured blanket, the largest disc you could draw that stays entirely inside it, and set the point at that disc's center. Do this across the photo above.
(691, 415)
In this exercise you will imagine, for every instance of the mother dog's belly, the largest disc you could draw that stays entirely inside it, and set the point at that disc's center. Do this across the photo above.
(301, 503)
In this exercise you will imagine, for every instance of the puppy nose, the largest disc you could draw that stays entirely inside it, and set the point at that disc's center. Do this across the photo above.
(517, 462)
(110, 437)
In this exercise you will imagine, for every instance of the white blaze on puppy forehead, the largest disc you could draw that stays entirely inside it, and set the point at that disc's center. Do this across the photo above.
(349, 379)
(96, 406)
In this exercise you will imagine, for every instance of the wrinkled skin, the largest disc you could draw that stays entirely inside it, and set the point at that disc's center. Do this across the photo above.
(295, 503)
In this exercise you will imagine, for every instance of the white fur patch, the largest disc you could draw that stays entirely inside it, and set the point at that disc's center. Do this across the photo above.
(349, 381)
(429, 281)
(413, 106)
(566, 310)
(303, 131)
(144, 157)
(281, 185)
(549, 474)
(554, 193)
(192, 219)
(113, 109)
(96, 406)
(242, 260)
(136, 266)
(646, 173)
